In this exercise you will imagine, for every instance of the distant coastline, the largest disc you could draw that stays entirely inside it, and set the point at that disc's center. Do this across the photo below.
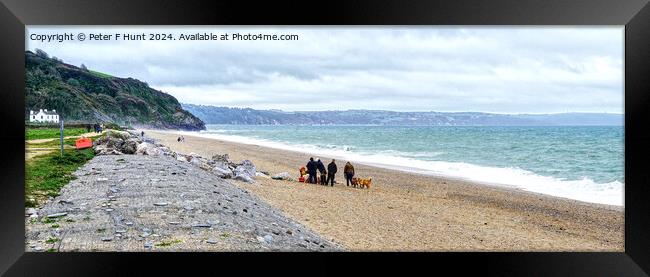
(249, 116)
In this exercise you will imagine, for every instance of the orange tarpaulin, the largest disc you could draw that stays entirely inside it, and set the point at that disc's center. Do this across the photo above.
(84, 143)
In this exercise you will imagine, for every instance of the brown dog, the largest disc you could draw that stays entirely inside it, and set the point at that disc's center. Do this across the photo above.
(355, 182)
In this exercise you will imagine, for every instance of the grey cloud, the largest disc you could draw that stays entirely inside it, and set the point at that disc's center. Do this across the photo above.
(505, 69)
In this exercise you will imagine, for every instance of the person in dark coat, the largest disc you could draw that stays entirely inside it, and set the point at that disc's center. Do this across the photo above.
(348, 171)
(320, 166)
(311, 170)
(331, 172)
(321, 169)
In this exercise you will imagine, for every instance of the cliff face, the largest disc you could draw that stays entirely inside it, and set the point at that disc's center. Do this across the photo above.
(82, 95)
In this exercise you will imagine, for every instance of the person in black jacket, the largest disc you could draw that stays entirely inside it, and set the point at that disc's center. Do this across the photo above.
(320, 165)
(331, 171)
(321, 170)
(311, 170)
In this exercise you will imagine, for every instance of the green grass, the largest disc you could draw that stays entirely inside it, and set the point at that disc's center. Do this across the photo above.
(51, 240)
(168, 243)
(45, 175)
(43, 133)
(100, 74)
(55, 226)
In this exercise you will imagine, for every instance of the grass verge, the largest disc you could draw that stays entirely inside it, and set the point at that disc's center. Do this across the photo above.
(45, 175)
(43, 133)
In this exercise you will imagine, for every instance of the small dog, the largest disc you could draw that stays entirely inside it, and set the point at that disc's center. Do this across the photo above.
(365, 182)
(323, 178)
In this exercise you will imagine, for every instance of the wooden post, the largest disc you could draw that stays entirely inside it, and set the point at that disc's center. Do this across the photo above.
(61, 130)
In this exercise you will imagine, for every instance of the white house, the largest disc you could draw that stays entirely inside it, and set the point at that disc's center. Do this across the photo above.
(43, 116)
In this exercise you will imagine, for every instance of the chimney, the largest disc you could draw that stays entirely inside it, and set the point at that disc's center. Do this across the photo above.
(31, 112)
(53, 111)
(41, 110)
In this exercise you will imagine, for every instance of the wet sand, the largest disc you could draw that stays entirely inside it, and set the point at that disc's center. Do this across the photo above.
(414, 212)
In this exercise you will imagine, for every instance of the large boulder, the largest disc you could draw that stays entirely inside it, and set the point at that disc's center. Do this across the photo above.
(196, 160)
(260, 174)
(247, 167)
(118, 134)
(113, 142)
(105, 150)
(165, 150)
(221, 158)
(245, 171)
(181, 157)
(245, 178)
(146, 148)
(221, 165)
(221, 172)
(129, 146)
(282, 176)
(99, 148)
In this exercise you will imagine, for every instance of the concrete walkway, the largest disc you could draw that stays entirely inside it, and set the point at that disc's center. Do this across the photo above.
(157, 203)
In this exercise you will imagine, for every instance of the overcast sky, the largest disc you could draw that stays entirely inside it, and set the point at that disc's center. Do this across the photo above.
(498, 69)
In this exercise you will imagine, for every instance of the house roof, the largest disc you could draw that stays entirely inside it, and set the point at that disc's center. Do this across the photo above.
(47, 112)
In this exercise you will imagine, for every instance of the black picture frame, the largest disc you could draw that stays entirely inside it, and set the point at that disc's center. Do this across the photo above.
(635, 15)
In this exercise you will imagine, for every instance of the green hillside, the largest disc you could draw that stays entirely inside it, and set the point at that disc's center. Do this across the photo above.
(86, 96)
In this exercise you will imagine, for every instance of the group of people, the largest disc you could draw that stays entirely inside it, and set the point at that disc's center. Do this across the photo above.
(96, 127)
(181, 139)
(327, 175)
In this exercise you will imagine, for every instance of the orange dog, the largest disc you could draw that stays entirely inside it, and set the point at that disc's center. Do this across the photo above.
(361, 182)
(365, 182)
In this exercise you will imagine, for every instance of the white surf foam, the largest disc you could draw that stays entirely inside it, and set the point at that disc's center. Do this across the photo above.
(583, 190)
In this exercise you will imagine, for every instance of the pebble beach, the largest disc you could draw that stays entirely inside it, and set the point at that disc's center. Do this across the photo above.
(405, 211)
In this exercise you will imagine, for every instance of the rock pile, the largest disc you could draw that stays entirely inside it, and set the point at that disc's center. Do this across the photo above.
(119, 142)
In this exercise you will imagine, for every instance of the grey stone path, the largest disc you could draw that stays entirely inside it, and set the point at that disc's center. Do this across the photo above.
(156, 203)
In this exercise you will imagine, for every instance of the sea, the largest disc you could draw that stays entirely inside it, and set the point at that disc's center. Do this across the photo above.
(584, 163)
